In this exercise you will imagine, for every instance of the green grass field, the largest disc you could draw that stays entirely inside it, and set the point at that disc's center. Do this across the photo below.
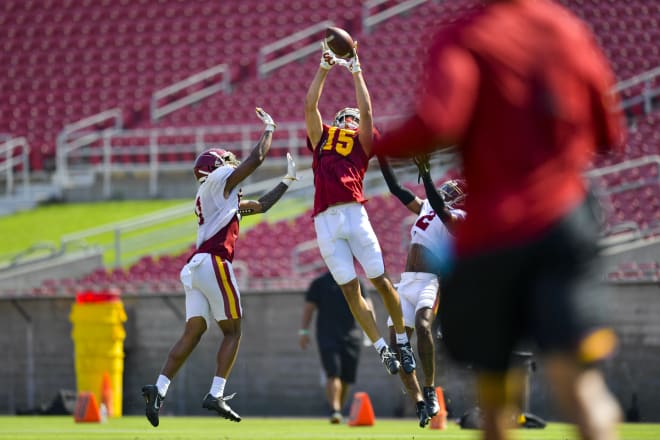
(211, 428)
(47, 224)
(50, 222)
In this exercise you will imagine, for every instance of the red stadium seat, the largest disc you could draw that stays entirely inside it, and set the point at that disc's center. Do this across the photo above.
(62, 61)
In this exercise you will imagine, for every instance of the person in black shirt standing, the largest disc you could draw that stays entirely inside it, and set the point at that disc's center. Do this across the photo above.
(338, 337)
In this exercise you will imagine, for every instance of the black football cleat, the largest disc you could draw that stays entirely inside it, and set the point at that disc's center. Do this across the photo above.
(219, 405)
(431, 400)
(336, 418)
(388, 358)
(407, 357)
(153, 401)
(422, 414)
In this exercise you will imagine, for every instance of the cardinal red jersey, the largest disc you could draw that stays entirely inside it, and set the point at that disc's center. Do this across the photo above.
(339, 166)
(524, 91)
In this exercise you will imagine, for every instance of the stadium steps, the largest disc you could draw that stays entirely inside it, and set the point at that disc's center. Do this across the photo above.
(28, 197)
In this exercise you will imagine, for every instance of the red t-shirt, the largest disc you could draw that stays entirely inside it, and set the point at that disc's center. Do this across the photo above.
(339, 166)
(522, 89)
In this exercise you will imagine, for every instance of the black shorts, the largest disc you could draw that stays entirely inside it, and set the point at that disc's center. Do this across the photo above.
(546, 291)
(341, 360)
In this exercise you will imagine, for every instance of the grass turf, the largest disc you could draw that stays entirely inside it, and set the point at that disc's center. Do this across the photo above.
(47, 224)
(213, 428)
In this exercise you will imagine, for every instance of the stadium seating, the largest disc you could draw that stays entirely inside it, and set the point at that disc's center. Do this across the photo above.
(632, 271)
(63, 60)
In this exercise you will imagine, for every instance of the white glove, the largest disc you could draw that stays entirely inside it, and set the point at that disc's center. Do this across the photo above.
(353, 63)
(291, 174)
(328, 57)
(268, 120)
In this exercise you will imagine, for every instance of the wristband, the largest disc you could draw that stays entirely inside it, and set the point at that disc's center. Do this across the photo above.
(303, 332)
(270, 127)
(287, 180)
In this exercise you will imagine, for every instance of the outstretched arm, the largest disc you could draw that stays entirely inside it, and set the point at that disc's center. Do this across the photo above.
(256, 156)
(363, 101)
(406, 197)
(435, 199)
(313, 119)
(265, 202)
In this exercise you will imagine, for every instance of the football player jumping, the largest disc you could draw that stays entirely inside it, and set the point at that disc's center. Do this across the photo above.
(343, 231)
(430, 238)
(211, 289)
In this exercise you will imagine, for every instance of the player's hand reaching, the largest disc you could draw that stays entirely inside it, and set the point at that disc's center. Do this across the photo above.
(291, 172)
(423, 165)
(266, 118)
(328, 57)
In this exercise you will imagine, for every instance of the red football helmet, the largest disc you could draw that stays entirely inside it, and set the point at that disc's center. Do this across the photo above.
(212, 159)
(347, 118)
(454, 192)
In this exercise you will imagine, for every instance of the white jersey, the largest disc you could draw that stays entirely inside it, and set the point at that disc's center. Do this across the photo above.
(214, 212)
(429, 231)
(418, 290)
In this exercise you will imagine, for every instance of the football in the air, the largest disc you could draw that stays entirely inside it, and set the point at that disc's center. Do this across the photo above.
(340, 42)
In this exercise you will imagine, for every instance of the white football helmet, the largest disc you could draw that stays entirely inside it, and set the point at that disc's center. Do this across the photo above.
(347, 118)
(454, 192)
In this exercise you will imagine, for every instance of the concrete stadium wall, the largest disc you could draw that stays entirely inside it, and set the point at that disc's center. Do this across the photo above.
(272, 375)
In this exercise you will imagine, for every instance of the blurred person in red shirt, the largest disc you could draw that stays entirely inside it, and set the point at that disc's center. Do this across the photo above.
(523, 91)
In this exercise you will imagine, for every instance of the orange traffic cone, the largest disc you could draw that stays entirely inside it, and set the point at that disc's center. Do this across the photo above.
(107, 394)
(362, 413)
(87, 409)
(439, 421)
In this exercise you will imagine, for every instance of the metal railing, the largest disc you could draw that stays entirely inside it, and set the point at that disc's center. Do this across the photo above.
(120, 241)
(369, 20)
(264, 67)
(146, 148)
(627, 230)
(617, 168)
(81, 134)
(648, 92)
(36, 252)
(214, 86)
(12, 161)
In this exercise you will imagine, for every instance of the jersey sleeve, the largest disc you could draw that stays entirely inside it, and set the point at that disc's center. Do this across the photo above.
(448, 90)
(445, 102)
(609, 124)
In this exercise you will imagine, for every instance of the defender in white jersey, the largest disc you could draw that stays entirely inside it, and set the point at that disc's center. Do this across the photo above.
(430, 239)
(212, 294)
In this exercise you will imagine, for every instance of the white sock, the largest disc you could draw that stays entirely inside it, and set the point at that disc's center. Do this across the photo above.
(401, 338)
(379, 345)
(162, 383)
(218, 386)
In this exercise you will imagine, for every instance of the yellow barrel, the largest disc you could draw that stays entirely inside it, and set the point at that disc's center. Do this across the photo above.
(98, 335)
(94, 332)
